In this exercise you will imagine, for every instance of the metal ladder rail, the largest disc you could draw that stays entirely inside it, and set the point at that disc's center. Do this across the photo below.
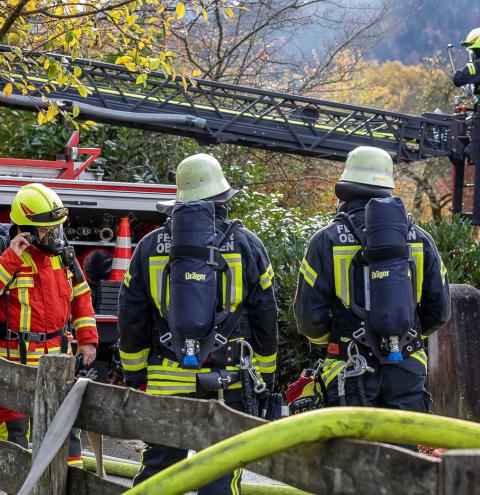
(253, 117)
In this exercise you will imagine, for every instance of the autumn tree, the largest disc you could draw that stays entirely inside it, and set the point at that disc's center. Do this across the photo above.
(137, 34)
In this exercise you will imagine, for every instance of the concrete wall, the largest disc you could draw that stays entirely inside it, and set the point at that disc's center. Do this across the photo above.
(454, 358)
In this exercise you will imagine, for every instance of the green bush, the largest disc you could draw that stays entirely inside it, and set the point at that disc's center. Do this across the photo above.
(460, 250)
(285, 233)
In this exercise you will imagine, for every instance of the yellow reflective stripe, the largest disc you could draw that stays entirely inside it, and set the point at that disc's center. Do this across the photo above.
(135, 361)
(80, 289)
(56, 262)
(417, 253)
(443, 272)
(156, 267)
(235, 484)
(267, 278)
(331, 369)
(420, 356)
(76, 463)
(266, 364)
(126, 279)
(169, 388)
(472, 70)
(320, 340)
(309, 274)
(25, 310)
(183, 376)
(342, 258)
(28, 261)
(4, 275)
(22, 281)
(234, 261)
(84, 322)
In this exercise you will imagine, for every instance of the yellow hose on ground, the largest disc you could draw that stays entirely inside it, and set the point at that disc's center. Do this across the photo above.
(114, 468)
(364, 423)
(130, 469)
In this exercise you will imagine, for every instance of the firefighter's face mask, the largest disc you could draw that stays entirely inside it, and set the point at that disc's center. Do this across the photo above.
(49, 239)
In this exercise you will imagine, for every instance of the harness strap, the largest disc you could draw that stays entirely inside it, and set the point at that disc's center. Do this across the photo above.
(386, 253)
(24, 337)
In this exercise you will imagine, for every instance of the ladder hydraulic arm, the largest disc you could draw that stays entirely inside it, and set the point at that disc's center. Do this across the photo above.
(245, 116)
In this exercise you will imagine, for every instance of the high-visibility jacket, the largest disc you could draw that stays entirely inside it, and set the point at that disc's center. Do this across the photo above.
(470, 74)
(140, 318)
(322, 301)
(42, 297)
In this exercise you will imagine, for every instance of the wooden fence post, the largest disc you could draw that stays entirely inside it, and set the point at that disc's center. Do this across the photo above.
(460, 472)
(54, 379)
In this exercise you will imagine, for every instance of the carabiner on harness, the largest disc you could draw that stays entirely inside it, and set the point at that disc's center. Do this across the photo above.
(356, 365)
(246, 363)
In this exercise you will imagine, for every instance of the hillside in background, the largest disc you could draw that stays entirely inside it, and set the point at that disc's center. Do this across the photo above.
(425, 27)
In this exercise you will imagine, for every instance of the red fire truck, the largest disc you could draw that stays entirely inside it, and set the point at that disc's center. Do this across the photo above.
(95, 207)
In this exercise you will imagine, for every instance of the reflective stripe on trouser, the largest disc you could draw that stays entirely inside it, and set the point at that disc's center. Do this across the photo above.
(157, 457)
(395, 386)
(167, 377)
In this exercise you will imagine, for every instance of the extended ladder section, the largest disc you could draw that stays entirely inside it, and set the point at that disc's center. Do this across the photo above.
(242, 116)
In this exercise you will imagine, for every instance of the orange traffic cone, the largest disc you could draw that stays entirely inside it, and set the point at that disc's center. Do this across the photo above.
(123, 251)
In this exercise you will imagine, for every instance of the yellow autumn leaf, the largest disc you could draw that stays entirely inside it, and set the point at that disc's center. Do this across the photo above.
(90, 123)
(180, 10)
(205, 14)
(12, 37)
(229, 11)
(166, 67)
(75, 111)
(82, 91)
(196, 73)
(7, 90)
(41, 118)
(141, 78)
(124, 60)
(51, 112)
(153, 20)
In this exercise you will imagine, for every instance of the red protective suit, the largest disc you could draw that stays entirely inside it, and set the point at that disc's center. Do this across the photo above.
(42, 298)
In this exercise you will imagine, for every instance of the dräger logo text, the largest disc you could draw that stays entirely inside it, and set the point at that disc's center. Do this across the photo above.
(380, 274)
(195, 276)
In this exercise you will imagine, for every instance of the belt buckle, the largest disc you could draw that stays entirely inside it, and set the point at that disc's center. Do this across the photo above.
(37, 337)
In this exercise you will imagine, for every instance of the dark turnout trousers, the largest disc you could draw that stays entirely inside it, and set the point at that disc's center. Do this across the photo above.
(395, 386)
(157, 457)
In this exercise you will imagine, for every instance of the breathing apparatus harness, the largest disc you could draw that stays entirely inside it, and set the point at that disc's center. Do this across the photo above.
(199, 324)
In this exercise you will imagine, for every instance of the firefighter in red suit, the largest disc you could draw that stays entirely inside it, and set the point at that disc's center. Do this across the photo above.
(40, 298)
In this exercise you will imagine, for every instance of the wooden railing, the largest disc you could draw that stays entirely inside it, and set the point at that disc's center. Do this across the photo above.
(336, 467)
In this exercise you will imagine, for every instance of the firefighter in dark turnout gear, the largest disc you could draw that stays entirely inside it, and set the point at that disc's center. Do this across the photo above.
(323, 305)
(470, 74)
(156, 369)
